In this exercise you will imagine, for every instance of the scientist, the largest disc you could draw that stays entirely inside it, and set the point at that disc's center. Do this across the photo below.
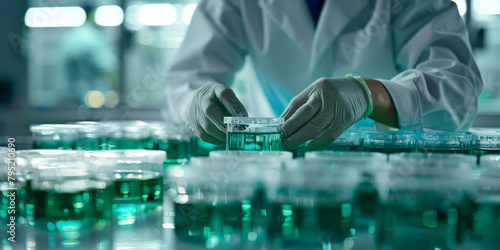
(324, 65)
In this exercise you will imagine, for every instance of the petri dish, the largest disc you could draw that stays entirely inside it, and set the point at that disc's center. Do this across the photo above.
(426, 202)
(444, 143)
(54, 136)
(261, 155)
(214, 198)
(175, 140)
(484, 144)
(311, 204)
(253, 133)
(389, 142)
(348, 141)
(127, 134)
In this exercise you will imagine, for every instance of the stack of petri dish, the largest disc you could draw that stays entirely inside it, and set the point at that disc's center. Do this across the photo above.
(91, 136)
(174, 140)
(485, 143)
(444, 143)
(373, 169)
(424, 207)
(54, 136)
(485, 205)
(127, 135)
(137, 197)
(214, 202)
(252, 133)
(67, 204)
(81, 135)
(348, 141)
(389, 142)
(311, 206)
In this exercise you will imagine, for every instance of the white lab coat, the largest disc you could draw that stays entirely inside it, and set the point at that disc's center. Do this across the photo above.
(418, 49)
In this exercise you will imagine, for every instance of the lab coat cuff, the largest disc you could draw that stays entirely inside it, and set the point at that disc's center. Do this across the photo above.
(406, 99)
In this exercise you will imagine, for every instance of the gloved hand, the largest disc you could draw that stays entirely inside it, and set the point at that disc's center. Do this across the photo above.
(210, 104)
(324, 110)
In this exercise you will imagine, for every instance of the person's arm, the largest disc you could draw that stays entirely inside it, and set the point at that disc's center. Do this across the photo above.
(384, 110)
(213, 50)
(439, 82)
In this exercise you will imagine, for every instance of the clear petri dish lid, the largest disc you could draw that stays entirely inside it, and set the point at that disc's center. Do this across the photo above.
(485, 131)
(351, 135)
(48, 129)
(270, 121)
(490, 162)
(445, 136)
(234, 163)
(389, 136)
(4, 149)
(319, 174)
(487, 141)
(431, 168)
(252, 155)
(134, 129)
(451, 159)
(125, 155)
(346, 155)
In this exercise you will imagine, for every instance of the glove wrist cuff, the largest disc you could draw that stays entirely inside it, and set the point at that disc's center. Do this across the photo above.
(366, 90)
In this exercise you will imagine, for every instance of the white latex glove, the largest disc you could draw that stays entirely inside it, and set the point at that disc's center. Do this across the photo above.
(324, 110)
(205, 115)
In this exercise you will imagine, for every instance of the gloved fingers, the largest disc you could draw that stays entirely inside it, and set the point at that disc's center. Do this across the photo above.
(212, 130)
(328, 137)
(310, 130)
(214, 113)
(293, 106)
(205, 136)
(230, 102)
(301, 116)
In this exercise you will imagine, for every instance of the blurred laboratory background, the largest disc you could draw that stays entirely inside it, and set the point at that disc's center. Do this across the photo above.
(74, 60)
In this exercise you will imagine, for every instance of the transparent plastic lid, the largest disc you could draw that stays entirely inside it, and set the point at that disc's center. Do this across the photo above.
(389, 136)
(254, 121)
(459, 161)
(458, 137)
(491, 142)
(351, 135)
(48, 129)
(340, 155)
(270, 155)
(490, 161)
(4, 149)
(127, 129)
(139, 155)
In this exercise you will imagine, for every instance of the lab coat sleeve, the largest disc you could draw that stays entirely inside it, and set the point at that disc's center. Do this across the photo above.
(439, 82)
(213, 50)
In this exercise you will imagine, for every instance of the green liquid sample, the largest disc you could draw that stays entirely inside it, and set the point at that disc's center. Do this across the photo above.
(367, 205)
(300, 227)
(254, 141)
(215, 225)
(405, 224)
(53, 145)
(486, 223)
(90, 143)
(138, 187)
(126, 143)
(201, 148)
(78, 217)
(176, 149)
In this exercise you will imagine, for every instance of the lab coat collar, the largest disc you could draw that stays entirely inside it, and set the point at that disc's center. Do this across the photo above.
(294, 18)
